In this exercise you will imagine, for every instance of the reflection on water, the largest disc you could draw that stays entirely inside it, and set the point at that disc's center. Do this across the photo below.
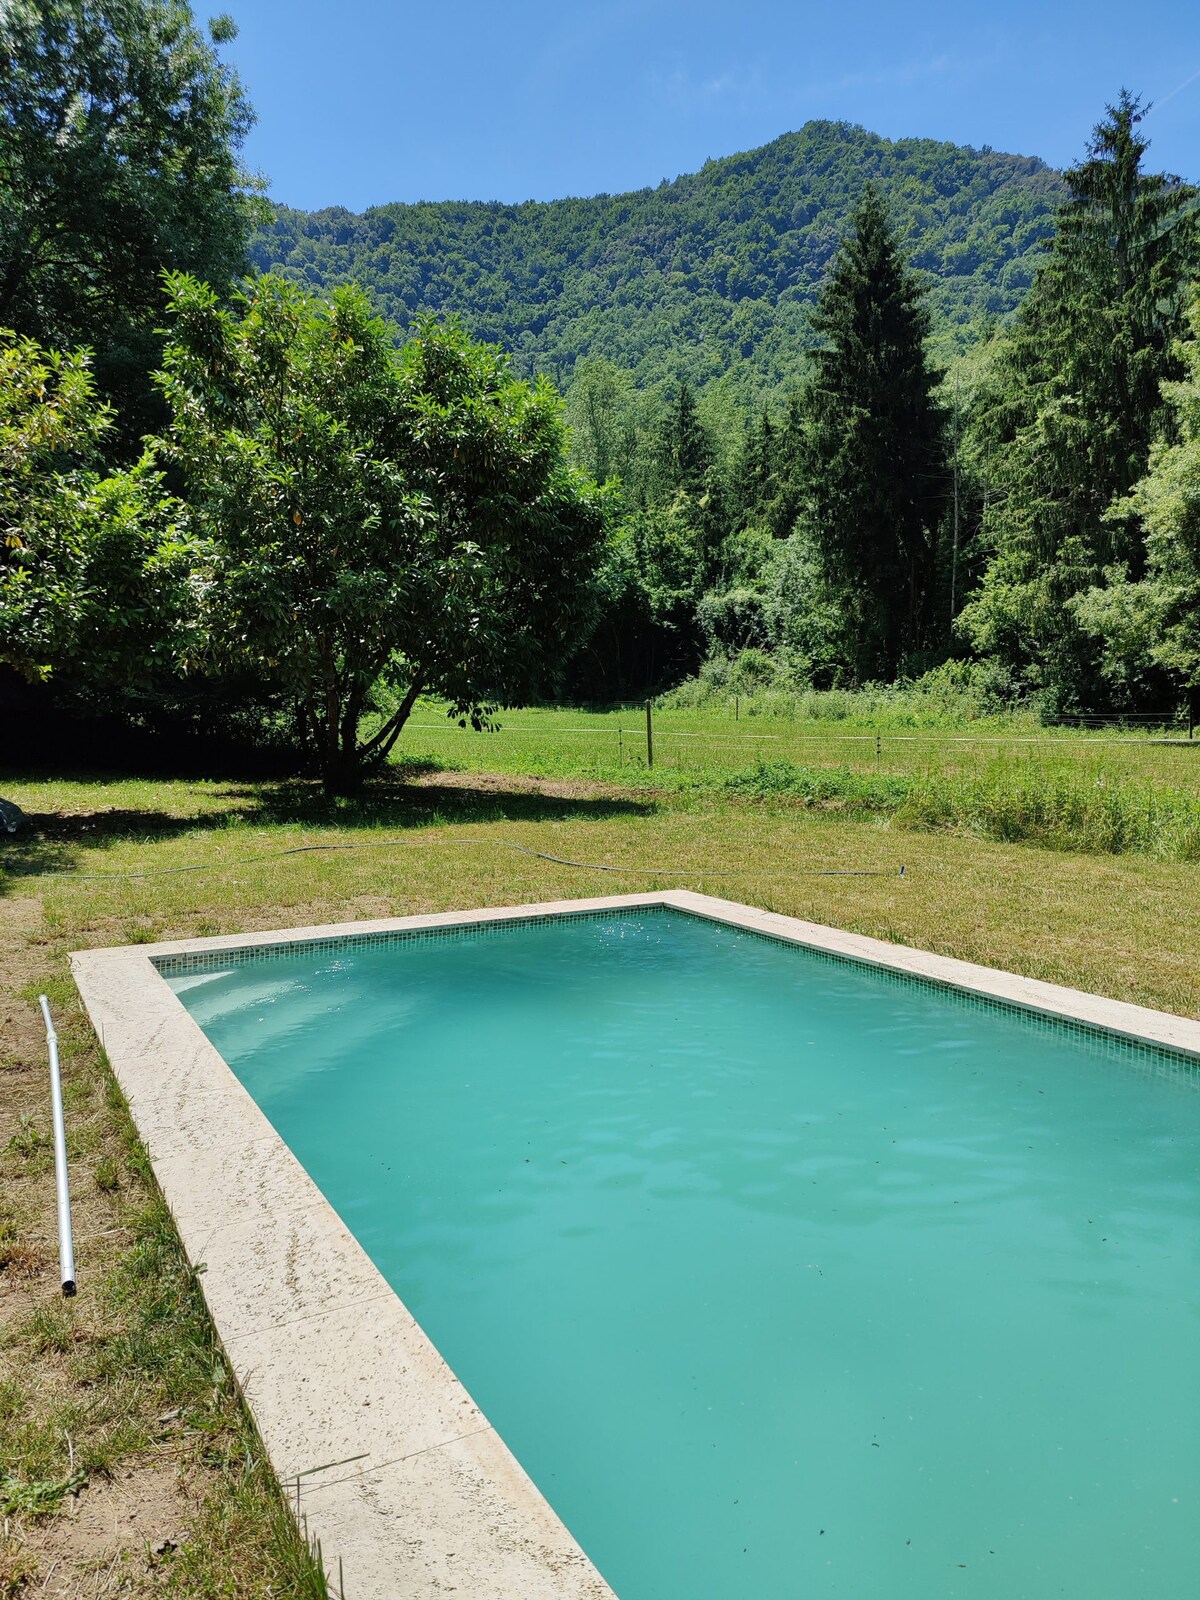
(782, 1279)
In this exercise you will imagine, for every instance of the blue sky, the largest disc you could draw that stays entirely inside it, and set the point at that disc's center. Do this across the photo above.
(365, 101)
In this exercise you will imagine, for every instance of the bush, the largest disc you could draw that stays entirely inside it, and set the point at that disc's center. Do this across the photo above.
(836, 788)
(721, 677)
(953, 695)
(733, 620)
(969, 688)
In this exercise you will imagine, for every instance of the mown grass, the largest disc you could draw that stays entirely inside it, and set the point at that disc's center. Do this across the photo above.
(84, 1385)
(1108, 791)
(443, 841)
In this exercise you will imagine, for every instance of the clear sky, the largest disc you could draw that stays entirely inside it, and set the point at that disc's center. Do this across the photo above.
(365, 101)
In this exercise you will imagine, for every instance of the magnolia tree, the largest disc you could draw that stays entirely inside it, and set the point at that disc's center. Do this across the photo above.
(372, 524)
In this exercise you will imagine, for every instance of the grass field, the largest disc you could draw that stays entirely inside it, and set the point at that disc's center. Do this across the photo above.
(126, 1463)
(1006, 778)
(703, 748)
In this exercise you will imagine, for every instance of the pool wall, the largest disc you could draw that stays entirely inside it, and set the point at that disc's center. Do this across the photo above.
(381, 1450)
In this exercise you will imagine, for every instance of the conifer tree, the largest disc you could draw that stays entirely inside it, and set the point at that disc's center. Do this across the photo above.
(756, 483)
(687, 453)
(876, 479)
(1074, 405)
(693, 483)
(791, 457)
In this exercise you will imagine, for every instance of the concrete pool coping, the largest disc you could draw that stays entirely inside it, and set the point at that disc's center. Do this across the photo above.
(386, 1457)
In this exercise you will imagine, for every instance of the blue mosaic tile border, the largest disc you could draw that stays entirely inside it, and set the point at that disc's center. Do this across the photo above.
(193, 961)
(1147, 1057)
(1162, 1060)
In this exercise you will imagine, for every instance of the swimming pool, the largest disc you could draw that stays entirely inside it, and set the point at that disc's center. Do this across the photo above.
(780, 1274)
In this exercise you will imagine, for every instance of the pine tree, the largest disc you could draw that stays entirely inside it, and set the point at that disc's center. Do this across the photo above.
(876, 477)
(691, 482)
(687, 452)
(755, 476)
(791, 458)
(1074, 405)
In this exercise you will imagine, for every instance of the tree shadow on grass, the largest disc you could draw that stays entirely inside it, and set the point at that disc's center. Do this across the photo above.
(53, 842)
(388, 803)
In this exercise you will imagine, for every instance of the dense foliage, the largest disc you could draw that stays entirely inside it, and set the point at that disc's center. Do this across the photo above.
(708, 276)
(1154, 621)
(371, 525)
(813, 532)
(1072, 407)
(878, 521)
(90, 584)
(119, 133)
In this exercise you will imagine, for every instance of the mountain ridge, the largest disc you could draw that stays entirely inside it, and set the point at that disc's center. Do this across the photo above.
(708, 274)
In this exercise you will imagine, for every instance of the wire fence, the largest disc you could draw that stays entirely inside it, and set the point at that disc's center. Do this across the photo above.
(646, 738)
(1175, 725)
(632, 732)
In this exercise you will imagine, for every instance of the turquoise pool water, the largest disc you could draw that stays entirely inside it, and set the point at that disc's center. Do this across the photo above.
(782, 1278)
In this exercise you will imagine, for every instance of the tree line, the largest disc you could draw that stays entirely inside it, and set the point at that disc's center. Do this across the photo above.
(225, 500)
(1013, 508)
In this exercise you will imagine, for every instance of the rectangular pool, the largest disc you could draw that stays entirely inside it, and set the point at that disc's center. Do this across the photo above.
(781, 1276)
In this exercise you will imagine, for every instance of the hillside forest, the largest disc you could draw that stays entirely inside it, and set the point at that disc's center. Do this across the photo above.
(834, 412)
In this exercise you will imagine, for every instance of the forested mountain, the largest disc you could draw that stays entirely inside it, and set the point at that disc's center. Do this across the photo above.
(713, 273)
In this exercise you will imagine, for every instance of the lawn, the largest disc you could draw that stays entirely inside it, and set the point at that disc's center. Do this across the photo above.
(128, 1465)
(702, 748)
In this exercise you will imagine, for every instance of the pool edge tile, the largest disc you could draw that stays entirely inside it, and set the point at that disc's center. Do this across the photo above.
(461, 1518)
(1162, 1029)
(372, 1387)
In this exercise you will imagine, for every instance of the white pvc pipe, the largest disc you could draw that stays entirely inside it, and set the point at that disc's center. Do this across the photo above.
(66, 1249)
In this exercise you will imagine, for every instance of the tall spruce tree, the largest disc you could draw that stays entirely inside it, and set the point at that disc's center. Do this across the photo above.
(1071, 410)
(791, 457)
(876, 475)
(756, 472)
(690, 480)
(687, 452)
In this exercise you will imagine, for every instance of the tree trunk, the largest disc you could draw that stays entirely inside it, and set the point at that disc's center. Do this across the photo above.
(342, 773)
(382, 742)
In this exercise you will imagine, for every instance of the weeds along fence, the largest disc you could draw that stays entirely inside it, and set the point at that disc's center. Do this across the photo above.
(1103, 819)
(1097, 790)
(1010, 804)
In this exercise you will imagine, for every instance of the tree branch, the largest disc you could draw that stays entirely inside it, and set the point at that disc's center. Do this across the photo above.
(384, 738)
